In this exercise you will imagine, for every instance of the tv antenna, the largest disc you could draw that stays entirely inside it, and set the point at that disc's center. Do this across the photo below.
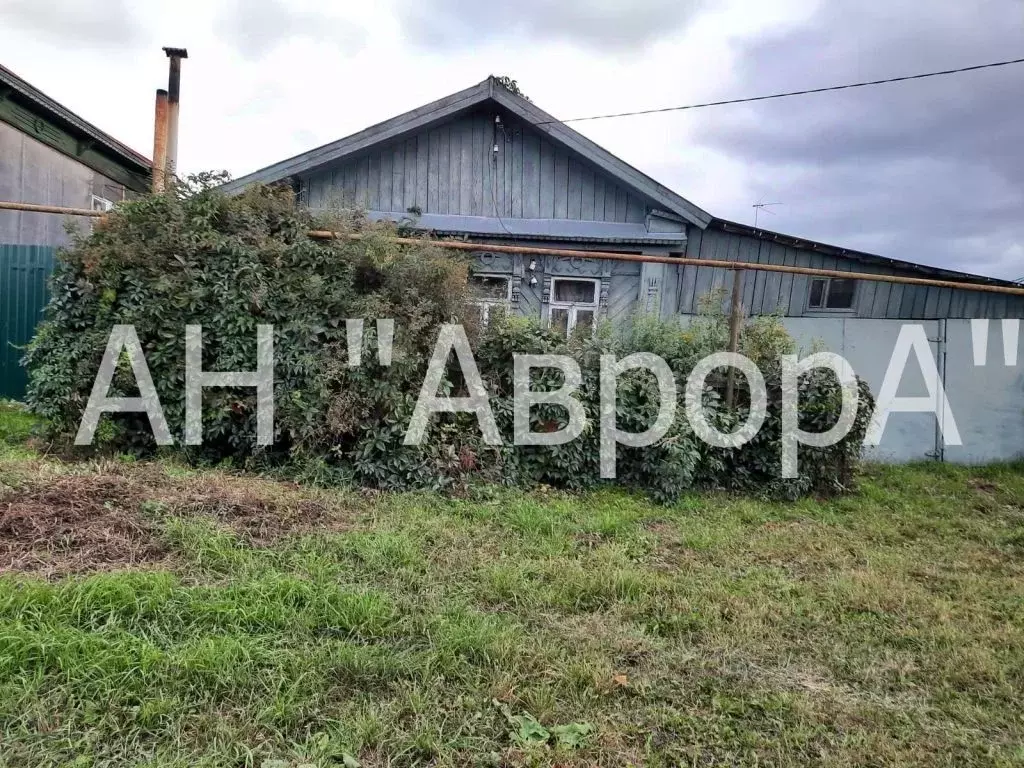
(758, 207)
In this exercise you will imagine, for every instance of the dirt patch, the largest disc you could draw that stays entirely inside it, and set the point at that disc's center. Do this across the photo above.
(75, 524)
(259, 510)
(109, 519)
(984, 486)
(670, 552)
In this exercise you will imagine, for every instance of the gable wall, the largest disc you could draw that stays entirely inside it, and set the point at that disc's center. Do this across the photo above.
(766, 292)
(451, 169)
(33, 172)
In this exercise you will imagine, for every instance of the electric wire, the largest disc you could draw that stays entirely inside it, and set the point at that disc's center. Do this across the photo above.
(785, 94)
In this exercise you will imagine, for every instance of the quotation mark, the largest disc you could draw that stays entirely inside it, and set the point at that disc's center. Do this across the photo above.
(979, 341)
(354, 337)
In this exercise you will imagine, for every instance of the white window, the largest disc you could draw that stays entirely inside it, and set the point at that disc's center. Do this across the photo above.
(573, 304)
(101, 203)
(832, 293)
(490, 293)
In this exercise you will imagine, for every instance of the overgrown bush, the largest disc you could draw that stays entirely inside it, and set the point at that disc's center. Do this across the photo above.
(194, 256)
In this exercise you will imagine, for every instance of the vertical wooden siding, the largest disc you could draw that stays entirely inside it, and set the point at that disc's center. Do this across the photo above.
(452, 169)
(766, 292)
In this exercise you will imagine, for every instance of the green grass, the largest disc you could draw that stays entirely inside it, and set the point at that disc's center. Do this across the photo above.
(16, 427)
(16, 423)
(882, 628)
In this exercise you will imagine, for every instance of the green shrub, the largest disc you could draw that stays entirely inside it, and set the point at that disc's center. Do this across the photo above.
(194, 256)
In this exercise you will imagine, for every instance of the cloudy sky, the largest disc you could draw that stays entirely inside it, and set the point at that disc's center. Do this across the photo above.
(929, 171)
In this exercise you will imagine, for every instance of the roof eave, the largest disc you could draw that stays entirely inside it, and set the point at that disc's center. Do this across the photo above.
(131, 159)
(389, 129)
(863, 256)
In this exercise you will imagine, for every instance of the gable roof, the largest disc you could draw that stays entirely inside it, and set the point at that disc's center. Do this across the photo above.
(492, 91)
(91, 146)
(487, 91)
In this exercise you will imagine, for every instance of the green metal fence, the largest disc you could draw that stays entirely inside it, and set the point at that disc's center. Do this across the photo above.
(24, 270)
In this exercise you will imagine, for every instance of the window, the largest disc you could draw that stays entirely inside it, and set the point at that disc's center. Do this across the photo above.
(101, 203)
(832, 293)
(573, 305)
(490, 292)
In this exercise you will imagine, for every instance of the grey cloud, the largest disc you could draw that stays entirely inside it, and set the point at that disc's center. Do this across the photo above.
(608, 25)
(929, 171)
(96, 23)
(256, 27)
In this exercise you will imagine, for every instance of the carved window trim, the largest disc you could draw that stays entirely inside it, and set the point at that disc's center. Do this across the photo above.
(573, 308)
(509, 301)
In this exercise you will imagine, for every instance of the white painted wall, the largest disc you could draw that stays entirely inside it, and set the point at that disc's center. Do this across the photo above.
(987, 400)
(868, 345)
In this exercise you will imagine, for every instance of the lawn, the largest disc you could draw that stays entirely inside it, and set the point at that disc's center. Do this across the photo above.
(160, 615)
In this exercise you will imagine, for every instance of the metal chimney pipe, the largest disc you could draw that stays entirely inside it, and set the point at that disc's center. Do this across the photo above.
(159, 140)
(173, 99)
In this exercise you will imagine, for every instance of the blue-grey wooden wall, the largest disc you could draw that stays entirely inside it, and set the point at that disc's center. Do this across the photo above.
(766, 292)
(618, 281)
(452, 169)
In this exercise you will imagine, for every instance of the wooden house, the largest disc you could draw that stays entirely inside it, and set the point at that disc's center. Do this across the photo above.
(487, 165)
(51, 156)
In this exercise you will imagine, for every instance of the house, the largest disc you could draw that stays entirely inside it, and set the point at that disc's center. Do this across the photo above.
(51, 156)
(48, 156)
(489, 166)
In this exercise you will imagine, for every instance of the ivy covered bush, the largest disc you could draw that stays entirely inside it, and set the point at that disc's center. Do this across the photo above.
(193, 256)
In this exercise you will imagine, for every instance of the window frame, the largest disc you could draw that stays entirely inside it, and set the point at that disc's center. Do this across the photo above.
(485, 304)
(101, 204)
(826, 291)
(573, 307)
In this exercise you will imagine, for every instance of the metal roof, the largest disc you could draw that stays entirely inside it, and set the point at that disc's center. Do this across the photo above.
(533, 229)
(847, 253)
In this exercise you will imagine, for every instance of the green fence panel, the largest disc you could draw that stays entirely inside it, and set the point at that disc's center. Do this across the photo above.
(24, 275)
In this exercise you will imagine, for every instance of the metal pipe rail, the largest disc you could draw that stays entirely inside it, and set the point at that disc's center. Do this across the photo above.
(683, 261)
(609, 255)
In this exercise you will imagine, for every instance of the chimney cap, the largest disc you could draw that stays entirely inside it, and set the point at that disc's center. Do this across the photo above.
(181, 53)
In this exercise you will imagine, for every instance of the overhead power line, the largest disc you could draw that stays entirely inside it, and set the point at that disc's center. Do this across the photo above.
(785, 94)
